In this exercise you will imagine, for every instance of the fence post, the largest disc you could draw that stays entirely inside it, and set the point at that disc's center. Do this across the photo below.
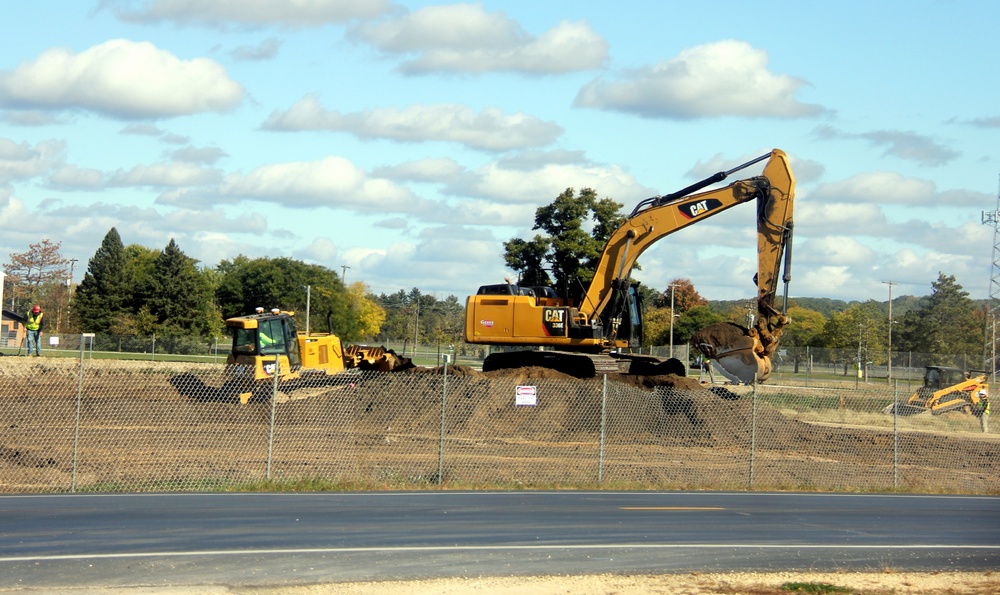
(270, 430)
(895, 434)
(753, 428)
(604, 410)
(79, 398)
(444, 401)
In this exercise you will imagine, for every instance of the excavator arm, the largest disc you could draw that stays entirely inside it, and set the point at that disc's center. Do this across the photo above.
(657, 217)
(744, 353)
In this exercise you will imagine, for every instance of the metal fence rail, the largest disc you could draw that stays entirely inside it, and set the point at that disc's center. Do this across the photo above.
(94, 425)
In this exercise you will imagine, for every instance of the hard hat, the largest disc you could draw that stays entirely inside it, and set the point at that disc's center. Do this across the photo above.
(260, 309)
(36, 309)
(275, 310)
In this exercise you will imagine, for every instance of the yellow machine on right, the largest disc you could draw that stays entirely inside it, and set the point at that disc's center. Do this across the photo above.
(944, 389)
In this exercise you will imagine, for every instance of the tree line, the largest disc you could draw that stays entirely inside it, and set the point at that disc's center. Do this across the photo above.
(133, 291)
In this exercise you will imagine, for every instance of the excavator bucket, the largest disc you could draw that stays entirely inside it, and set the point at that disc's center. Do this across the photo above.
(736, 350)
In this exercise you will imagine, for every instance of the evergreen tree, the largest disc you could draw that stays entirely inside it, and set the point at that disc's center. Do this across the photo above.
(178, 295)
(106, 288)
(946, 323)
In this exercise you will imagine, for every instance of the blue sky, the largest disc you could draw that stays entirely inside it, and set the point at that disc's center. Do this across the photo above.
(409, 140)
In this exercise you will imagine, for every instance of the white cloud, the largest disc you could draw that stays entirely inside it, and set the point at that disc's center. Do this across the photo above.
(332, 182)
(319, 250)
(166, 174)
(298, 13)
(422, 170)
(725, 78)
(542, 185)
(80, 178)
(490, 129)
(122, 79)
(21, 161)
(465, 38)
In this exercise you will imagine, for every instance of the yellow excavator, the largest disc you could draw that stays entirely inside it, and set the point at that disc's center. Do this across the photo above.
(944, 389)
(597, 333)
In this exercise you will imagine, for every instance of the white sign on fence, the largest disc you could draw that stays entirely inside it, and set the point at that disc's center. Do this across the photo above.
(526, 395)
(53, 340)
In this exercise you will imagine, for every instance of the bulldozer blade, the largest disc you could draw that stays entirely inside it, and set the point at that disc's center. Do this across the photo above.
(904, 410)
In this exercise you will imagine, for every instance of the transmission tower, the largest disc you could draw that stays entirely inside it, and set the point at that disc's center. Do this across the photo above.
(990, 343)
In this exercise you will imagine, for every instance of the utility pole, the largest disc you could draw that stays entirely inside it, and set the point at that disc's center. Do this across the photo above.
(308, 297)
(990, 344)
(343, 276)
(888, 372)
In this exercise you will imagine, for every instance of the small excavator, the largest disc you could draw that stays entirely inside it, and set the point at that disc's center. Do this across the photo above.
(597, 333)
(944, 389)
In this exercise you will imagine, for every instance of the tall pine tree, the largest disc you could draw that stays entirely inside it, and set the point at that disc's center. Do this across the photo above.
(179, 296)
(106, 288)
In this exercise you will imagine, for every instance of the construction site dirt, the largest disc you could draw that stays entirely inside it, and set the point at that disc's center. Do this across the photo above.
(131, 426)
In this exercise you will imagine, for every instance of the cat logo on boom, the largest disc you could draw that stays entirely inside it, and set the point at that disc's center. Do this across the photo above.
(695, 209)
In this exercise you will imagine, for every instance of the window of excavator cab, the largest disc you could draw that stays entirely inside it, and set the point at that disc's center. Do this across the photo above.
(271, 334)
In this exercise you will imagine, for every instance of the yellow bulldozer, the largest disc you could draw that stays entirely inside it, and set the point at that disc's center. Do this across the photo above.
(266, 344)
(944, 389)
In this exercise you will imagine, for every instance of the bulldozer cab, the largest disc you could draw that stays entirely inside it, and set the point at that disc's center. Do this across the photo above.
(938, 377)
(266, 334)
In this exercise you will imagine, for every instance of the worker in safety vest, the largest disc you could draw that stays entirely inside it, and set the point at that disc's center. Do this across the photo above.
(34, 323)
(984, 411)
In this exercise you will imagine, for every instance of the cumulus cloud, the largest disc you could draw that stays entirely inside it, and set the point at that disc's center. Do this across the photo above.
(71, 177)
(908, 146)
(209, 155)
(439, 169)
(332, 182)
(166, 174)
(122, 79)
(465, 38)
(877, 188)
(489, 130)
(725, 78)
(21, 161)
(541, 185)
(293, 13)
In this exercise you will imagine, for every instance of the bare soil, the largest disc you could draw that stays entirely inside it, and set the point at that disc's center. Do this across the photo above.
(744, 583)
(674, 433)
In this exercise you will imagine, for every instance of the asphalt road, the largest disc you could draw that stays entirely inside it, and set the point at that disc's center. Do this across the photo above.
(115, 540)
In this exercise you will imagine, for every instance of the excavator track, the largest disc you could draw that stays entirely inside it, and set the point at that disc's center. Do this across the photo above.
(579, 365)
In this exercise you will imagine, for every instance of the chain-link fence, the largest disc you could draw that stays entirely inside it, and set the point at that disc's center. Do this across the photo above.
(95, 425)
